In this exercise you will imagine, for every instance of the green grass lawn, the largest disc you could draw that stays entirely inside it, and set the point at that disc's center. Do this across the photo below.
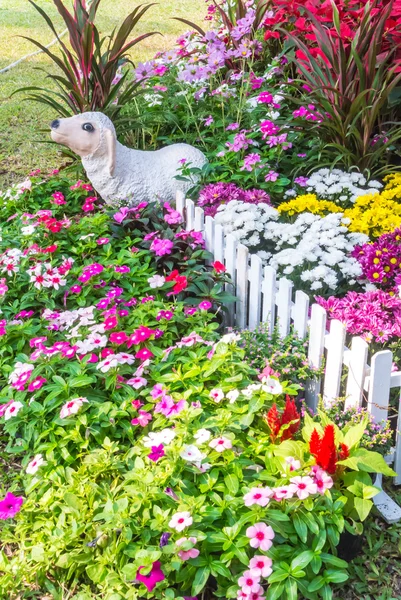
(23, 124)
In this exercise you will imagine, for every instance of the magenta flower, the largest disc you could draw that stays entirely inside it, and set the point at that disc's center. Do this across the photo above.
(260, 536)
(303, 487)
(161, 247)
(75, 289)
(118, 337)
(152, 578)
(323, 481)
(10, 506)
(122, 269)
(144, 354)
(137, 382)
(250, 161)
(205, 305)
(102, 241)
(143, 419)
(156, 453)
(36, 384)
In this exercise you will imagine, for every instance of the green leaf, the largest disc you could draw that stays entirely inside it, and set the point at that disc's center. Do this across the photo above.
(316, 584)
(275, 591)
(291, 589)
(200, 580)
(232, 484)
(335, 576)
(373, 462)
(300, 527)
(72, 501)
(81, 381)
(290, 448)
(278, 575)
(355, 433)
(302, 560)
(333, 560)
(362, 507)
(327, 593)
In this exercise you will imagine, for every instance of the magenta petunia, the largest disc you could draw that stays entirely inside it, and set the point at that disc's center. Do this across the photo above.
(10, 506)
(152, 578)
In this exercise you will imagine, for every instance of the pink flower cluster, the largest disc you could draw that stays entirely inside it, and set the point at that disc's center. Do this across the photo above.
(373, 315)
(381, 260)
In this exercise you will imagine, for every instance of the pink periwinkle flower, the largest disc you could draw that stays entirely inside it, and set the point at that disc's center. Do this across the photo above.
(72, 407)
(162, 247)
(303, 486)
(249, 582)
(156, 453)
(36, 384)
(258, 495)
(180, 520)
(260, 536)
(261, 565)
(187, 554)
(221, 444)
(142, 419)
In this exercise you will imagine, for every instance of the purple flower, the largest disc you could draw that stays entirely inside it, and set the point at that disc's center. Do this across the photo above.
(156, 453)
(250, 161)
(164, 539)
(272, 176)
(302, 181)
(232, 127)
(256, 196)
(170, 492)
(10, 506)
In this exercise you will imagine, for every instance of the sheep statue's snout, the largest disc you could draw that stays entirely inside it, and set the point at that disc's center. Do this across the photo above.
(120, 174)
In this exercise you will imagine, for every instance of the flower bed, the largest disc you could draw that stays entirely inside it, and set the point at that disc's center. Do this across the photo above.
(151, 455)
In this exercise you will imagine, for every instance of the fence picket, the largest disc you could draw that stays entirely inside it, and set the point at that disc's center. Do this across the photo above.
(255, 297)
(284, 306)
(190, 213)
(317, 334)
(379, 384)
(230, 252)
(299, 314)
(180, 202)
(199, 222)
(356, 372)
(209, 233)
(397, 453)
(218, 249)
(242, 286)
(335, 342)
(269, 297)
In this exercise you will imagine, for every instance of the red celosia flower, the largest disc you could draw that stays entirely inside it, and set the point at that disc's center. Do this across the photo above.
(290, 414)
(273, 420)
(324, 449)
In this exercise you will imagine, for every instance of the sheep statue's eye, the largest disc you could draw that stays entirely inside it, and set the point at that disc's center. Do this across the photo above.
(88, 127)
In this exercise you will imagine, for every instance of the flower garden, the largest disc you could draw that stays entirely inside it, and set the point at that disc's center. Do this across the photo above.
(147, 450)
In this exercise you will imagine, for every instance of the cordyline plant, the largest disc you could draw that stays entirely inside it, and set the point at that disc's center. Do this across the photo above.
(350, 84)
(90, 78)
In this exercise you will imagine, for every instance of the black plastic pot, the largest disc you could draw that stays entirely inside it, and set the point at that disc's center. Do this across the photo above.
(350, 546)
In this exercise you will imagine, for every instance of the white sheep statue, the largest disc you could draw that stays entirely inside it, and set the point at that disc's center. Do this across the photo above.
(120, 174)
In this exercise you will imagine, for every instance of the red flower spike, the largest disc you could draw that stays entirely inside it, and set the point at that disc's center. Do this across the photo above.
(328, 454)
(290, 414)
(273, 421)
(344, 452)
(314, 443)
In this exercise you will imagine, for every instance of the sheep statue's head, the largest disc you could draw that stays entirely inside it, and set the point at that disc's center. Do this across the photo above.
(88, 134)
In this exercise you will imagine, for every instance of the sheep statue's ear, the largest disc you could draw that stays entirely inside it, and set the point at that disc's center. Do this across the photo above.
(111, 149)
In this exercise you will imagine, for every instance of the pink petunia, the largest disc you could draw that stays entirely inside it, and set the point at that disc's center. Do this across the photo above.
(260, 536)
(10, 506)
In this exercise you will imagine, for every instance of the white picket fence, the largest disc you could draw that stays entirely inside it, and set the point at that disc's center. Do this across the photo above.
(262, 297)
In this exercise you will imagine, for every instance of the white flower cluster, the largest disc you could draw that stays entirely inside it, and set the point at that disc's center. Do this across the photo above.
(338, 186)
(319, 250)
(246, 222)
(314, 249)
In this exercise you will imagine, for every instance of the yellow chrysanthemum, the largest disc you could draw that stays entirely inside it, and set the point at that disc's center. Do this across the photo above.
(308, 203)
(375, 214)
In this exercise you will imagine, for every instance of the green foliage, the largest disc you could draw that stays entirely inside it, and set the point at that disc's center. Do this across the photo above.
(90, 77)
(350, 85)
